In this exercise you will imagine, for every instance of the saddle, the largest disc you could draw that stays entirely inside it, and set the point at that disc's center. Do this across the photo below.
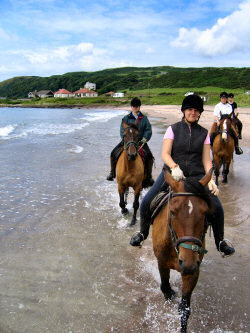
(158, 203)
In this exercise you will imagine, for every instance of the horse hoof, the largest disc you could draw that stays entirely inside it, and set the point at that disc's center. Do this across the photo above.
(125, 211)
(224, 181)
(170, 294)
(133, 222)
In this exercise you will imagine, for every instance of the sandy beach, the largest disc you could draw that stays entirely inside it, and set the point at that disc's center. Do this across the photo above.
(171, 114)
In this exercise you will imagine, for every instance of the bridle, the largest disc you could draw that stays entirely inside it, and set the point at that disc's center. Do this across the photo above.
(129, 143)
(177, 242)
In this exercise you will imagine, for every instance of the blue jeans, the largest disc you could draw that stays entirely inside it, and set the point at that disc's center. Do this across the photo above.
(216, 219)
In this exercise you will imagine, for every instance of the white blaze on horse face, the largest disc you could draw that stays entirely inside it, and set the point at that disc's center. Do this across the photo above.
(224, 133)
(190, 205)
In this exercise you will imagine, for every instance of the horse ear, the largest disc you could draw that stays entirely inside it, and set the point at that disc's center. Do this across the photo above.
(171, 181)
(230, 116)
(206, 179)
(125, 125)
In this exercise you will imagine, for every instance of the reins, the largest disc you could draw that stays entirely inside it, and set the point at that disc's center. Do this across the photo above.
(198, 243)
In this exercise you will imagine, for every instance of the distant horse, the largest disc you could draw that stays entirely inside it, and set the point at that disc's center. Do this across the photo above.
(223, 147)
(179, 237)
(130, 169)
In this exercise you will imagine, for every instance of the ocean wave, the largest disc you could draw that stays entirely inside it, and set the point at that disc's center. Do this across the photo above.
(7, 130)
(103, 116)
(54, 129)
(76, 149)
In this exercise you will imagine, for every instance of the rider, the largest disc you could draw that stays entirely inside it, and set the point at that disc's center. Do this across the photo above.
(220, 109)
(186, 153)
(145, 133)
(235, 113)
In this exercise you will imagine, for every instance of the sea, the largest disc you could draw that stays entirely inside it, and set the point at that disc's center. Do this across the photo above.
(66, 265)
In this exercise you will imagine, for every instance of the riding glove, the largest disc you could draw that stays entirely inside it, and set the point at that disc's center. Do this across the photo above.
(144, 140)
(177, 173)
(213, 187)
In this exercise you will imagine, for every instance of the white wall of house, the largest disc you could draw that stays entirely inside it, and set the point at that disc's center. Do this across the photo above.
(90, 86)
(64, 95)
(118, 94)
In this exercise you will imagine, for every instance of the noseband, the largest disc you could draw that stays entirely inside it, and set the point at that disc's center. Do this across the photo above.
(197, 246)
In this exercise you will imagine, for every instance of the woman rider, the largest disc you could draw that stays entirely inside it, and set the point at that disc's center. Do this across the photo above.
(145, 133)
(186, 141)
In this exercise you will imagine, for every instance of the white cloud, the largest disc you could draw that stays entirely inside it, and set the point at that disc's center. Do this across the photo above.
(229, 34)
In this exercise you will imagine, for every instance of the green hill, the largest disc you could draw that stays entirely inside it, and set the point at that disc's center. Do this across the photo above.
(131, 78)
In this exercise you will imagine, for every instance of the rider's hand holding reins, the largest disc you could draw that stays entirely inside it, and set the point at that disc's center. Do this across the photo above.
(177, 173)
(213, 187)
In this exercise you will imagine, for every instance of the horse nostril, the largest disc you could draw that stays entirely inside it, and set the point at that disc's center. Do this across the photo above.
(198, 263)
(180, 262)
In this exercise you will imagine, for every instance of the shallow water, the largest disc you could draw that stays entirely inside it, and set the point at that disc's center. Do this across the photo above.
(66, 264)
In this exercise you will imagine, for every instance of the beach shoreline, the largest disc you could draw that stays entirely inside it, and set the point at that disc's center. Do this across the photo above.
(170, 114)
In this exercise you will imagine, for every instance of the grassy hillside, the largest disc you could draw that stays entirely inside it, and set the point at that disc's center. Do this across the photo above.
(131, 79)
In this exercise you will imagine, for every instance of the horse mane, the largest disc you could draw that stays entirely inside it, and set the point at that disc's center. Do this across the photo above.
(193, 185)
(225, 116)
(133, 126)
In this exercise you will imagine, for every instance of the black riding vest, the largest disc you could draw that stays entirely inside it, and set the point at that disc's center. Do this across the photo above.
(188, 147)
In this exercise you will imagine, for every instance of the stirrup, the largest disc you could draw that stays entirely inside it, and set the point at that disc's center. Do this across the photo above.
(222, 253)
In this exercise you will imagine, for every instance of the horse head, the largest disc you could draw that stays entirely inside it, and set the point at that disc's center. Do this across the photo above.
(187, 208)
(130, 139)
(225, 125)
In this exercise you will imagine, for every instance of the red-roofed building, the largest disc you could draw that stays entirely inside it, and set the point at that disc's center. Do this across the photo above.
(85, 92)
(63, 93)
(110, 93)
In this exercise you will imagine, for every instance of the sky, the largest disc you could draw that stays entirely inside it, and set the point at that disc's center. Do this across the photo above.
(50, 37)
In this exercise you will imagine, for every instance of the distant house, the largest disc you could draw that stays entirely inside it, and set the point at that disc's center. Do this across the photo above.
(45, 93)
(118, 94)
(84, 92)
(110, 93)
(247, 93)
(90, 85)
(32, 94)
(189, 93)
(63, 93)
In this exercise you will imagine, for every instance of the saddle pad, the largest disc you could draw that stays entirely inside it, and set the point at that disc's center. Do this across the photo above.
(157, 203)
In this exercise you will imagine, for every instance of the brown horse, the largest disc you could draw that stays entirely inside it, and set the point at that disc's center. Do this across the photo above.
(130, 169)
(223, 147)
(179, 237)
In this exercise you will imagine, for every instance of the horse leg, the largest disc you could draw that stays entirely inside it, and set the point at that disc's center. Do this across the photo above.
(122, 203)
(216, 169)
(225, 171)
(188, 285)
(135, 206)
(166, 289)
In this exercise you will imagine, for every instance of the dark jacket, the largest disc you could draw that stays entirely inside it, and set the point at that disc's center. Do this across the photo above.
(145, 129)
(187, 149)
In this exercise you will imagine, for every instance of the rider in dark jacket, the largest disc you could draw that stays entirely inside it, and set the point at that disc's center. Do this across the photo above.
(186, 153)
(145, 133)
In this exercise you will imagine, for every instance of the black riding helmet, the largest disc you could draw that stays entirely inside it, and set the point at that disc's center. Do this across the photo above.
(192, 102)
(135, 102)
(224, 94)
(231, 95)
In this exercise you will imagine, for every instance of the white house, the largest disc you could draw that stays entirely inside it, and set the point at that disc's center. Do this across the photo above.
(90, 85)
(84, 92)
(118, 94)
(63, 93)
(189, 93)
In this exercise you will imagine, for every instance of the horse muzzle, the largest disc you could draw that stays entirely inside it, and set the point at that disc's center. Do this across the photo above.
(188, 268)
(132, 157)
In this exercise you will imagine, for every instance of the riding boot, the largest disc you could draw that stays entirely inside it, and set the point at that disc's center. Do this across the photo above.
(141, 235)
(149, 166)
(111, 175)
(238, 150)
(217, 221)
